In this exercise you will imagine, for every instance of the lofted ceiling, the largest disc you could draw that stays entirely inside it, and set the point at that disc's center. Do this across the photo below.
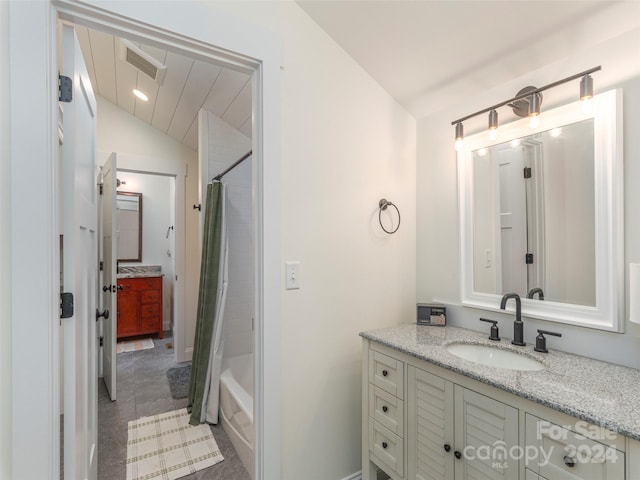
(428, 54)
(173, 105)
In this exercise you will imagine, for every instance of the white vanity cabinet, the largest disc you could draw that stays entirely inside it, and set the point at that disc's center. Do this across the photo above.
(422, 421)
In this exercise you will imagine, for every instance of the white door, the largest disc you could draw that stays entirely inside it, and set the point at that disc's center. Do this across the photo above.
(80, 269)
(109, 257)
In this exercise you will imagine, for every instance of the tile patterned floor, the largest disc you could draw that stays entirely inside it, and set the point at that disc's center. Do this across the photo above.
(142, 390)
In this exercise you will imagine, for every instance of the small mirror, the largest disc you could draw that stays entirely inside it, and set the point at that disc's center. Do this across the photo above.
(130, 226)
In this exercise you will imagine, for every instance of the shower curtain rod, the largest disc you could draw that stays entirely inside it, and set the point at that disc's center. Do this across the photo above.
(220, 175)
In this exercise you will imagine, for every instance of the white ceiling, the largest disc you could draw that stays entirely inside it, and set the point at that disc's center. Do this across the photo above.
(173, 106)
(426, 53)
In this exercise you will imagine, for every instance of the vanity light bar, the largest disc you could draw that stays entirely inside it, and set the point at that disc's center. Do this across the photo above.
(533, 97)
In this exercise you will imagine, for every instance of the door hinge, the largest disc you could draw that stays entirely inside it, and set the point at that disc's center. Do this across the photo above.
(65, 89)
(528, 258)
(101, 185)
(527, 172)
(101, 266)
(102, 341)
(66, 305)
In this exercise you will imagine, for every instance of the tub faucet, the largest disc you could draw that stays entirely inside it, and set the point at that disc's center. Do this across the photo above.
(537, 290)
(518, 330)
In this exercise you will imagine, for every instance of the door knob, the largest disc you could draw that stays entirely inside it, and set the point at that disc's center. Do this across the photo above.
(104, 314)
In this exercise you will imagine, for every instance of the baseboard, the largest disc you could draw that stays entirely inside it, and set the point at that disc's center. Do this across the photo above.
(354, 476)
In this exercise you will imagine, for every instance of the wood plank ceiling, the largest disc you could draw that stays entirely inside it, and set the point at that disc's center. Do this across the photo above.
(173, 106)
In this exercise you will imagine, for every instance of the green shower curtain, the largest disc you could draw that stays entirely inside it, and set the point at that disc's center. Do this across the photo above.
(207, 294)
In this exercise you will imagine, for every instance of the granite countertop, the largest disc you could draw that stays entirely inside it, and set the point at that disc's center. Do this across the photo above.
(605, 394)
(140, 271)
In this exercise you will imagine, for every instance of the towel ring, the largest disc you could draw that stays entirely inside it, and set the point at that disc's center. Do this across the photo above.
(383, 204)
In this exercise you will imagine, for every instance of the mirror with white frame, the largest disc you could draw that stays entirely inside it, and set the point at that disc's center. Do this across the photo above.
(541, 215)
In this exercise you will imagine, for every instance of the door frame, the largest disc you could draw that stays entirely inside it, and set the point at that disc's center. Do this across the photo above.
(177, 170)
(200, 31)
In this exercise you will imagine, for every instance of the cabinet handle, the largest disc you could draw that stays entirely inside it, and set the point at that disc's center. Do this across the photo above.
(568, 461)
(384, 373)
(385, 408)
(447, 447)
(384, 445)
(457, 454)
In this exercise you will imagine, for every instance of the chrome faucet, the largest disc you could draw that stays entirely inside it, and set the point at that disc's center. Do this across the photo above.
(537, 290)
(518, 330)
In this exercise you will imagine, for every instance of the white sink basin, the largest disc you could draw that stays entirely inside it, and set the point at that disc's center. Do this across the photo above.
(494, 357)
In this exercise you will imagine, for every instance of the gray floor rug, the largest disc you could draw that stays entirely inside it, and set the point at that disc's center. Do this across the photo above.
(179, 381)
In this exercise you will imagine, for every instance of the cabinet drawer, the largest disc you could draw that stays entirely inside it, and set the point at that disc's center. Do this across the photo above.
(563, 454)
(150, 296)
(386, 409)
(386, 447)
(150, 310)
(149, 283)
(387, 373)
(149, 324)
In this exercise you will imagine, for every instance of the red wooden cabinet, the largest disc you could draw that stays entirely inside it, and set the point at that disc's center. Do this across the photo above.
(139, 306)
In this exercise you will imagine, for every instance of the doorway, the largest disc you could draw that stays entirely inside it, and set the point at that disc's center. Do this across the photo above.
(33, 116)
(260, 188)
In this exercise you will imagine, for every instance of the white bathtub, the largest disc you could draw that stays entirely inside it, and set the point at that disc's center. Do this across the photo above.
(236, 406)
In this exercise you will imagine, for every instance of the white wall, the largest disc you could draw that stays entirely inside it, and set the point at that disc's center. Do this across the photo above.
(120, 132)
(438, 256)
(5, 251)
(225, 146)
(569, 228)
(157, 248)
(346, 144)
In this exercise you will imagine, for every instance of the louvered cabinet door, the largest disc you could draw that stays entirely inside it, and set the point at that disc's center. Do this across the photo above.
(485, 432)
(430, 424)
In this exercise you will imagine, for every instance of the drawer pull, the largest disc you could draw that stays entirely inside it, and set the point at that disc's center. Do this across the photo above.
(457, 454)
(447, 447)
(568, 461)
(385, 408)
(384, 445)
(384, 373)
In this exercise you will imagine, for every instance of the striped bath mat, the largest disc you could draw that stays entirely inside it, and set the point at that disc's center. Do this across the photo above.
(165, 447)
(134, 345)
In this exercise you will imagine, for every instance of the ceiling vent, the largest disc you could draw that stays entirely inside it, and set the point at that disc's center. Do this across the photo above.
(142, 61)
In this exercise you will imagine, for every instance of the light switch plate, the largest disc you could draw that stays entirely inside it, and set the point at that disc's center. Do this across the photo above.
(292, 275)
